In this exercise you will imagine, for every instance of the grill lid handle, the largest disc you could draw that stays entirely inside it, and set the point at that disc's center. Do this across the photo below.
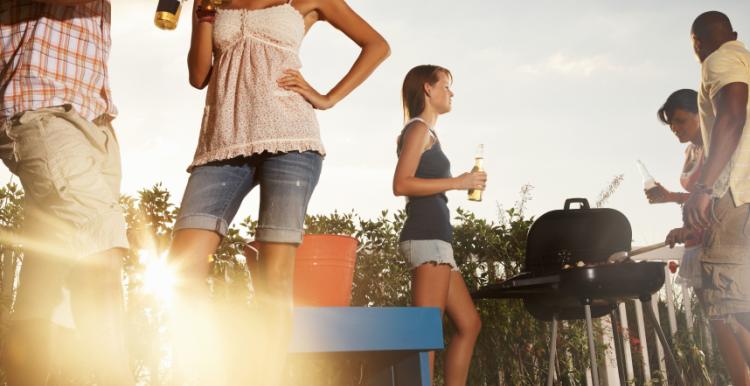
(584, 203)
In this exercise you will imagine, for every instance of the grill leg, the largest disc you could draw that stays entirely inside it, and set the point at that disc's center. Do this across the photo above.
(552, 352)
(592, 348)
(646, 299)
(619, 349)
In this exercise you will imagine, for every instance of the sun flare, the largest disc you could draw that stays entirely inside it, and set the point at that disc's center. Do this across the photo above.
(159, 277)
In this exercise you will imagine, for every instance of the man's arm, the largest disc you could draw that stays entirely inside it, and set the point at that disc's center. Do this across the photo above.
(731, 114)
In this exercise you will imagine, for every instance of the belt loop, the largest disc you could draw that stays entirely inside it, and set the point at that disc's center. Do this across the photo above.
(5, 125)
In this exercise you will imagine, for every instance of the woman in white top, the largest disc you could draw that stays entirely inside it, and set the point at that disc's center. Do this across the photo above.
(258, 128)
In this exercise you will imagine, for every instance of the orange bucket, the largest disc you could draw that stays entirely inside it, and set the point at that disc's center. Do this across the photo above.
(323, 270)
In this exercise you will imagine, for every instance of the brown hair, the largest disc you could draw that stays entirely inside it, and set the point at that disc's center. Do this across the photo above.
(412, 92)
(684, 99)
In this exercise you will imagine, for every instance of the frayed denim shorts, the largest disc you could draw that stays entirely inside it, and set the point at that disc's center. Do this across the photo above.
(215, 191)
(419, 252)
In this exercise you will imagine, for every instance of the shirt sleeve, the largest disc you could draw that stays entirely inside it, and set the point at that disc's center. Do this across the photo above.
(723, 69)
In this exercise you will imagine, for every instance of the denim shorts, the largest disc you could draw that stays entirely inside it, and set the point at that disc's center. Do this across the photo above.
(418, 252)
(215, 191)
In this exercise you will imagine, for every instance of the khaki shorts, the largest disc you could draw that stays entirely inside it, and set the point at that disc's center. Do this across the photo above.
(70, 171)
(725, 262)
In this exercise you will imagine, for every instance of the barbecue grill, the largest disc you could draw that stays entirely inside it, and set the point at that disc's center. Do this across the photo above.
(567, 275)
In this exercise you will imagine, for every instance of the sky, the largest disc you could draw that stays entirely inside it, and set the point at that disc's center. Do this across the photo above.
(563, 95)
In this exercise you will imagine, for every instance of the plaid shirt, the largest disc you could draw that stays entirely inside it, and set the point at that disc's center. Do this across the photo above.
(52, 55)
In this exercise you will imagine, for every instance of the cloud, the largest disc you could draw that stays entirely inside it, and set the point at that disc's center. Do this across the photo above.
(562, 64)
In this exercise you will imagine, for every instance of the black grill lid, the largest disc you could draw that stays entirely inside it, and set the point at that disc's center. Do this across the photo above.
(570, 235)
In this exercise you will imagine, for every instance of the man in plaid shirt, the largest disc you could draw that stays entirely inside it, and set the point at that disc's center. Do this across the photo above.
(55, 114)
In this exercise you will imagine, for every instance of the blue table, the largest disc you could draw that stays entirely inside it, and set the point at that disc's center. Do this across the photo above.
(393, 341)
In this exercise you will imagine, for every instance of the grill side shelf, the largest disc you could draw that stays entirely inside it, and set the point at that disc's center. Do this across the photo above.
(519, 286)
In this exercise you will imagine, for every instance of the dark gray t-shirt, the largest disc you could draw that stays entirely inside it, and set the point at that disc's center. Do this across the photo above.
(428, 217)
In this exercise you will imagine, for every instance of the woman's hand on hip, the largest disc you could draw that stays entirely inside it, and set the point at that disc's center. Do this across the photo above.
(472, 180)
(293, 80)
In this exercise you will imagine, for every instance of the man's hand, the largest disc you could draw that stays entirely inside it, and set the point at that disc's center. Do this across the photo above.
(679, 236)
(695, 213)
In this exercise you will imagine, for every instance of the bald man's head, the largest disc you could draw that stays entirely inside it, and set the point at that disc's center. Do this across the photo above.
(710, 30)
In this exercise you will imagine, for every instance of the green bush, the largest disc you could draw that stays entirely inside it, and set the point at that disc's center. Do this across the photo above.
(512, 348)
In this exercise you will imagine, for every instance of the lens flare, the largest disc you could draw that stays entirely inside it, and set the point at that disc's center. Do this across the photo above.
(159, 277)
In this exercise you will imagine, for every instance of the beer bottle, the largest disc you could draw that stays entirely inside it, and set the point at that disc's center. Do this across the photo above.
(168, 13)
(648, 180)
(476, 194)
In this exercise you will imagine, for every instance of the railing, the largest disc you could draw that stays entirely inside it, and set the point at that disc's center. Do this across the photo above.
(610, 374)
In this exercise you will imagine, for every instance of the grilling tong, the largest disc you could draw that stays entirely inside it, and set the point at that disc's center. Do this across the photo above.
(619, 257)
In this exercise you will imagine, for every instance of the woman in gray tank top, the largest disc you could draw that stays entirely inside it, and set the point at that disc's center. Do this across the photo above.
(423, 175)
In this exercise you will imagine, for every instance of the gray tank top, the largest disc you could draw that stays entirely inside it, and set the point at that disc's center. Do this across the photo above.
(428, 217)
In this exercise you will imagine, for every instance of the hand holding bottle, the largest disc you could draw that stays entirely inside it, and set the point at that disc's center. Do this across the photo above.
(205, 11)
(474, 180)
(658, 194)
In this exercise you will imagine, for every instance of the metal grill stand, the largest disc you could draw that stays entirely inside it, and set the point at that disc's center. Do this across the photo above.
(619, 343)
(552, 352)
(671, 362)
(592, 348)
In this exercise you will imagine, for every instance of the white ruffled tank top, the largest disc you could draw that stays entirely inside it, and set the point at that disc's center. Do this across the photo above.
(246, 112)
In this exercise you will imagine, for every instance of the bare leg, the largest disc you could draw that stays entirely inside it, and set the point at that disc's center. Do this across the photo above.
(26, 355)
(742, 332)
(193, 319)
(190, 252)
(429, 288)
(465, 318)
(274, 284)
(67, 361)
(97, 303)
(36, 352)
(27, 352)
(731, 352)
